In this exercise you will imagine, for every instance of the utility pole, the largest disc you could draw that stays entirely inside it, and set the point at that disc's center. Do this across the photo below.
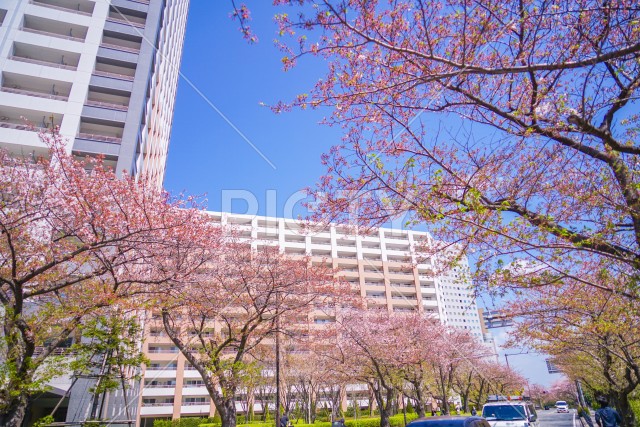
(277, 359)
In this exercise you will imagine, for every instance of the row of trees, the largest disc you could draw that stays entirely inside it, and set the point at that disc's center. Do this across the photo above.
(395, 355)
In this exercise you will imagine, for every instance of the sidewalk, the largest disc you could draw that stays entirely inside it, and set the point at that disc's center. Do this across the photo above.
(584, 423)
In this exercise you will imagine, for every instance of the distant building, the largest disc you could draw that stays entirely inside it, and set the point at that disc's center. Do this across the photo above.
(495, 319)
(551, 367)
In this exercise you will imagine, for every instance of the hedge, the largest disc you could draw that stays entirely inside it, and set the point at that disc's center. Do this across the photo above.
(394, 421)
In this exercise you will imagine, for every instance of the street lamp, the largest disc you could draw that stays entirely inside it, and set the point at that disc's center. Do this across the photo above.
(506, 357)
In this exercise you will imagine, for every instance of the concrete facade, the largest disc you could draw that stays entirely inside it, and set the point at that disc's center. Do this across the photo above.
(105, 72)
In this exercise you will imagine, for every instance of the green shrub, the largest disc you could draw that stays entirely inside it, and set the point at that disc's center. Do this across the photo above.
(410, 409)
(186, 422)
(635, 407)
(44, 421)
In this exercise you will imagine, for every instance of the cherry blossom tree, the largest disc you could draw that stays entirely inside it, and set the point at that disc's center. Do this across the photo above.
(563, 389)
(510, 127)
(592, 336)
(489, 377)
(366, 343)
(74, 239)
(454, 352)
(242, 298)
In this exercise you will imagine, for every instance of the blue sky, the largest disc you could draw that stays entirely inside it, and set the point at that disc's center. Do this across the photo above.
(207, 155)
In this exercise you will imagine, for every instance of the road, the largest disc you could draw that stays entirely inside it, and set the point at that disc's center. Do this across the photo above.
(551, 418)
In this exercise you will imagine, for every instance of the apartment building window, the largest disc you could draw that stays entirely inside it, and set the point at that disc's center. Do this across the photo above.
(152, 401)
(3, 14)
(156, 365)
(193, 401)
(160, 384)
(193, 383)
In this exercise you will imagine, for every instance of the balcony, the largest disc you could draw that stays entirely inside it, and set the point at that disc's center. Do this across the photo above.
(29, 120)
(346, 255)
(114, 69)
(403, 296)
(374, 283)
(195, 402)
(155, 404)
(101, 132)
(80, 7)
(118, 41)
(35, 86)
(127, 17)
(376, 295)
(49, 27)
(162, 350)
(114, 100)
(45, 56)
(160, 385)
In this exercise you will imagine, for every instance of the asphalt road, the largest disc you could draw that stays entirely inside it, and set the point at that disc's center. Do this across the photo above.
(551, 418)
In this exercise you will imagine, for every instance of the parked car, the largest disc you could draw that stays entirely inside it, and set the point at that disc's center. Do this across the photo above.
(562, 406)
(519, 413)
(449, 421)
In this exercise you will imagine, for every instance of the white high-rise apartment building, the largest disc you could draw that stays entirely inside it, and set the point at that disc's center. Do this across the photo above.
(388, 265)
(104, 71)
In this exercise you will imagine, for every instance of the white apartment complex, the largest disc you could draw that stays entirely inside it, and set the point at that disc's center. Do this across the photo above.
(104, 71)
(387, 265)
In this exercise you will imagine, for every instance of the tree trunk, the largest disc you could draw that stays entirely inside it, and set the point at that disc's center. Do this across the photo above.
(420, 405)
(465, 402)
(14, 416)
(624, 409)
(227, 410)
(385, 413)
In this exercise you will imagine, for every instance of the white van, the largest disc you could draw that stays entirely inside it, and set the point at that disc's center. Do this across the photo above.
(517, 413)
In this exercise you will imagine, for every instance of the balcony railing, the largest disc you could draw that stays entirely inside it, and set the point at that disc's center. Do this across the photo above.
(101, 138)
(118, 47)
(112, 75)
(195, 403)
(52, 34)
(32, 93)
(125, 22)
(159, 385)
(110, 105)
(157, 404)
(40, 62)
(163, 350)
(65, 9)
(4, 123)
(56, 351)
